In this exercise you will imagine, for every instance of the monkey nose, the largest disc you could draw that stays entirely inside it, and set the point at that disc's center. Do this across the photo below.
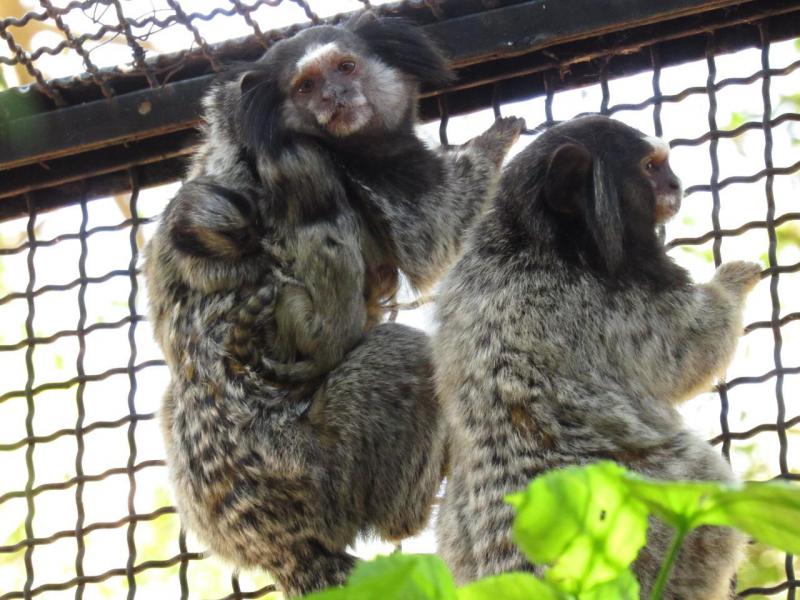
(333, 94)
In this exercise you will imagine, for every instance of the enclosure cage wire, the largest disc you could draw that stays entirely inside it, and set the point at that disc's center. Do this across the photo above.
(132, 323)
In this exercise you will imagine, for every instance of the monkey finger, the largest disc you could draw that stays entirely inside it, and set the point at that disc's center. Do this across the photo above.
(739, 274)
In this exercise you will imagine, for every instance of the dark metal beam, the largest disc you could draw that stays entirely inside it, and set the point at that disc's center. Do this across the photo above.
(97, 162)
(542, 24)
(471, 39)
(148, 126)
(117, 182)
(121, 119)
(580, 63)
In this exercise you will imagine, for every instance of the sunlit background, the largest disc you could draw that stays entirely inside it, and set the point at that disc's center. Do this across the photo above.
(108, 448)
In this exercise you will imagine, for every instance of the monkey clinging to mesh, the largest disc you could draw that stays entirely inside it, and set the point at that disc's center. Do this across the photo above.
(293, 420)
(567, 336)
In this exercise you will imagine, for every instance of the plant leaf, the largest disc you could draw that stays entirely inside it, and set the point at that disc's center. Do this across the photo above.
(624, 587)
(331, 594)
(396, 577)
(583, 521)
(677, 503)
(768, 511)
(510, 586)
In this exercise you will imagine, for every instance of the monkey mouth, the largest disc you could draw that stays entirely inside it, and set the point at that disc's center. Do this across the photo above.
(341, 114)
(667, 207)
(347, 119)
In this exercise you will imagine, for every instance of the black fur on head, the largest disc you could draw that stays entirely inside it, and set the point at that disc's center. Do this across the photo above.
(581, 187)
(403, 46)
(259, 112)
(260, 83)
(264, 83)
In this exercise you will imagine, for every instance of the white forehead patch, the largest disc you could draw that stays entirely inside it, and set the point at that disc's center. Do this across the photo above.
(317, 54)
(660, 147)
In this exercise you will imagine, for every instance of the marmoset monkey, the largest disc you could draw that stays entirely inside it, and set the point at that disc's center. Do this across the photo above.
(294, 421)
(567, 336)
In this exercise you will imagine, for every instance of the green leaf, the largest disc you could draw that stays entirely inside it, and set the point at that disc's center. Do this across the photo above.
(762, 567)
(769, 512)
(624, 587)
(737, 119)
(332, 594)
(583, 521)
(396, 577)
(677, 503)
(793, 100)
(510, 586)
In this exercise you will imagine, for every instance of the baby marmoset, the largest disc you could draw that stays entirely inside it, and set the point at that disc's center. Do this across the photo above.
(293, 421)
(567, 336)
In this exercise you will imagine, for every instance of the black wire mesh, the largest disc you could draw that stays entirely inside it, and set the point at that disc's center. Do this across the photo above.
(104, 26)
(102, 401)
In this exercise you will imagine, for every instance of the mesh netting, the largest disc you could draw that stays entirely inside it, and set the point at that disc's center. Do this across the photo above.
(84, 503)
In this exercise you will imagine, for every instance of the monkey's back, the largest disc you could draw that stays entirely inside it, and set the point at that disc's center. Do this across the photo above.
(229, 435)
(519, 327)
(538, 367)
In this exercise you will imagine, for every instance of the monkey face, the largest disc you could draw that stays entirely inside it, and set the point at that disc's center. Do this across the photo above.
(343, 90)
(335, 83)
(598, 161)
(329, 86)
(666, 186)
(605, 185)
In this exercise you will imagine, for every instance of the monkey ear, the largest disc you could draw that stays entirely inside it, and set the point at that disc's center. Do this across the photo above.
(605, 219)
(567, 179)
(260, 112)
(581, 187)
(403, 46)
(360, 20)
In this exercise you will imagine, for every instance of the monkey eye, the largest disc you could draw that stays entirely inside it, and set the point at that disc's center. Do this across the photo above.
(347, 66)
(651, 164)
(305, 86)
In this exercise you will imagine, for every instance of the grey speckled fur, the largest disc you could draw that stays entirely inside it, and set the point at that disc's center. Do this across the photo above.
(293, 422)
(543, 361)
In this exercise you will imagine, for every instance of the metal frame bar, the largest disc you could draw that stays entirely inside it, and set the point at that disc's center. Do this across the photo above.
(40, 153)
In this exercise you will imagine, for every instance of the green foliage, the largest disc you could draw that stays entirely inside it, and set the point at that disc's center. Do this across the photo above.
(396, 577)
(585, 526)
(737, 120)
(677, 503)
(16, 105)
(624, 587)
(787, 237)
(15, 537)
(762, 567)
(705, 252)
(583, 523)
(767, 512)
(510, 586)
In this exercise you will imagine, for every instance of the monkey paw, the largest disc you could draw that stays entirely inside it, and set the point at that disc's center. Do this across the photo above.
(498, 139)
(739, 275)
(507, 128)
